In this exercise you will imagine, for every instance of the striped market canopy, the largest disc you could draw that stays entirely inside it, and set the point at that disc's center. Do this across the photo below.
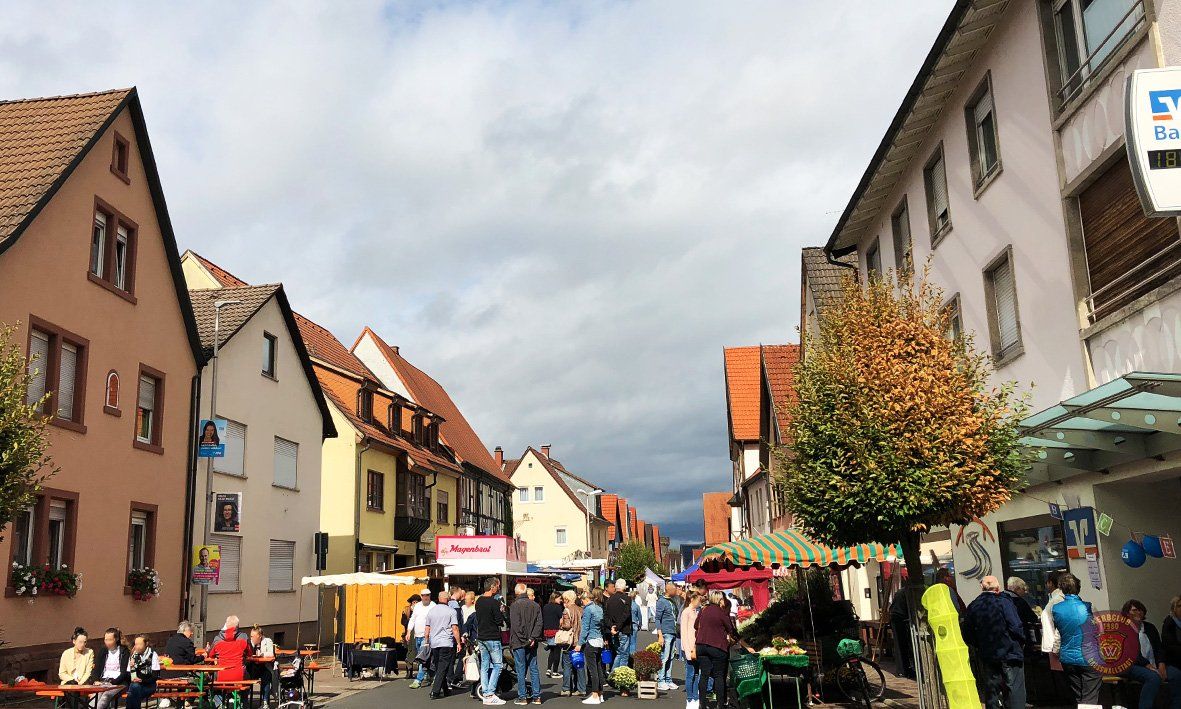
(789, 548)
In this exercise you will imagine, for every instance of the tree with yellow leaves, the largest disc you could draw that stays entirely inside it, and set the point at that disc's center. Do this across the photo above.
(897, 428)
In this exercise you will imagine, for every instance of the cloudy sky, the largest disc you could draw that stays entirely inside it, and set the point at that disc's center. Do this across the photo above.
(562, 211)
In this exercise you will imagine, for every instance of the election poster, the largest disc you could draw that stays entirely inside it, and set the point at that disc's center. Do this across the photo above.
(206, 564)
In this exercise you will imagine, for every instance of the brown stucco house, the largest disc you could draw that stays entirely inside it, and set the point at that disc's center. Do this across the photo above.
(90, 275)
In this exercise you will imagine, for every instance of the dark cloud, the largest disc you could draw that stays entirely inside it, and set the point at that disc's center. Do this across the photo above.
(562, 211)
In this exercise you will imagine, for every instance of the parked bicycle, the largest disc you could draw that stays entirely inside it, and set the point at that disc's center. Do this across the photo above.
(859, 678)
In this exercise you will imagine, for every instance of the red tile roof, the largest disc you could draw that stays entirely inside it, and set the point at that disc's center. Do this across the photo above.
(717, 517)
(222, 276)
(609, 504)
(341, 390)
(39, 140)
(324, 346)
(455, 430)
(779, 362)
(742, 391)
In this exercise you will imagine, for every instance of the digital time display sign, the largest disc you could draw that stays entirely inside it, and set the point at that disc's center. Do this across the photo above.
(1164, 159)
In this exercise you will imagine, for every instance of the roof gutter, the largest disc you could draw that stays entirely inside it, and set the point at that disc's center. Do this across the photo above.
(950, 26)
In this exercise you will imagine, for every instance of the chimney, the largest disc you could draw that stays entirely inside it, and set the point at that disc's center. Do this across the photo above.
(499, 453)
(545, 450)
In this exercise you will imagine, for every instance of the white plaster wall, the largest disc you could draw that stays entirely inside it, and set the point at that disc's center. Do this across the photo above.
(535, 522)
(285, 407)
(1021, 207)
(368, 352)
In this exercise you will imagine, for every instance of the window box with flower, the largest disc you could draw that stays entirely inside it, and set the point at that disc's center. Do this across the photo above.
(33, 581)
(144, 584)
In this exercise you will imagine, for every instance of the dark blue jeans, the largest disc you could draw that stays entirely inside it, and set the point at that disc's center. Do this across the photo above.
(525, 661)
(138, 692)
(1151, 684)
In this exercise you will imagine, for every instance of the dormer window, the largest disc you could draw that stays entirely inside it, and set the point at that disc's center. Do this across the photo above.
(432, 436)
(417, 428)
(395, 419)
(365, 404)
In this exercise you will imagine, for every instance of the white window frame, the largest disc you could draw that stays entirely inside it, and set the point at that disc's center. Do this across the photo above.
(561, 536)
(30, 530)
(123, 238)
(151, 416)
(59, 516)
(523, 494)
(139, 521)
(98, 233)
(539, 493)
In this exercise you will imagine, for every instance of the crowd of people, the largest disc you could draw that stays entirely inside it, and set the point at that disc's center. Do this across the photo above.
(131, 666)
(459, 636)
(1003, 630)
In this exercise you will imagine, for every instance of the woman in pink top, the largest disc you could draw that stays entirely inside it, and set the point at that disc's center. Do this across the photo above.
(689, 648)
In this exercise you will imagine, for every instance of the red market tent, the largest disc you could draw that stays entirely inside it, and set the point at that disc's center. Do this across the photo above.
(757, 580)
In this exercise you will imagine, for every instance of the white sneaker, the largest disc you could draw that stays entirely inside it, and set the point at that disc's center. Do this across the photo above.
(671, 686)
(592, 700)
(493, 700)
(164, 703)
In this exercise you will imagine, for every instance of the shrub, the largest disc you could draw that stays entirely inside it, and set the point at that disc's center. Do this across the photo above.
(624, 679)
(646, 663)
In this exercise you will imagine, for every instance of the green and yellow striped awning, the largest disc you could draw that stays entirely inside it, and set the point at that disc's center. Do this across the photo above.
(790, 548)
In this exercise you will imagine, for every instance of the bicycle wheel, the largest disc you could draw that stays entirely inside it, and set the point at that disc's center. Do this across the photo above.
(850, 678)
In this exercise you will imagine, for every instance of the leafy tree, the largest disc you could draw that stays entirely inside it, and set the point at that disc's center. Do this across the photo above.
(24, 461)
(896, 428)
(632, 558)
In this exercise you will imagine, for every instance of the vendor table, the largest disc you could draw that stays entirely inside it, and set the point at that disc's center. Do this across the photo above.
(792, 668)
(385, 660)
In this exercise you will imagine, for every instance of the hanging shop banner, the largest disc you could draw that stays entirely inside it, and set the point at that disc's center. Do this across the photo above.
(211, 436)
(1152, 126)
(1055, 510)
(206, 564)
(1104, 524)
(227, 512)
(1167, 548)
(1081, 536)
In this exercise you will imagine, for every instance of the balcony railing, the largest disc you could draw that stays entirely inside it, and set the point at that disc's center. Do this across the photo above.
(1104, 51)
(1151, 273)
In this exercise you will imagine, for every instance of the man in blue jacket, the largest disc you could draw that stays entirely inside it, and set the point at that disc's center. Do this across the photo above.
(993, 629)
(1071, 617)
(666, 634)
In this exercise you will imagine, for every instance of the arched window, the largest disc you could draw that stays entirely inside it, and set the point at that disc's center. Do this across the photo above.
(112, 400)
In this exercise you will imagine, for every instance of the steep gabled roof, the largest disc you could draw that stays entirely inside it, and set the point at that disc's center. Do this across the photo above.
(742, 391)
(324, 346)
(824, 277)
(455, 430)
(341, 389)
(556, 472)
(779, 362)
(222, 276)
(234, 317)
(42, 142)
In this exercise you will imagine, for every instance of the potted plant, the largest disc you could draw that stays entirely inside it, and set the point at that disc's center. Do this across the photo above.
(144, 584)
(647, 664)
(624, 679)
(33, 581)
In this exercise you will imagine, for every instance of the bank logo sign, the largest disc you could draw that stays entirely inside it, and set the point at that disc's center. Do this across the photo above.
(1152, 131)
(1165, 105)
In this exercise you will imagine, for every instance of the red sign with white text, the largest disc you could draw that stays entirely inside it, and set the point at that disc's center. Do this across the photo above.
(453, 548)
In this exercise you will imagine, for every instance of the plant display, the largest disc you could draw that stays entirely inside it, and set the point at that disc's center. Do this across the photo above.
(144, 584)
(624, 679)
(646, 663)
(34, 581)
(655, 647)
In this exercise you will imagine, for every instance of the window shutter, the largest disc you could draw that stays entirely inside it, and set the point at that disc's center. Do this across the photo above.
(231, 562)
(39, 361)
(982, 108)
(282, 566)
(234, 460)
(68, 373)
(1005, 293)
(286, 459)
(902, 242)
(147, 393)
(938, 178)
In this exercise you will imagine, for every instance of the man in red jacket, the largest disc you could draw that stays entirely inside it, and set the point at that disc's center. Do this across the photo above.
(231, 651)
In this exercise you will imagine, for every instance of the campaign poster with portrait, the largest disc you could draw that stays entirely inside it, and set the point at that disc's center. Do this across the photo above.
(211, 438)
(227, 512)
(206, 564)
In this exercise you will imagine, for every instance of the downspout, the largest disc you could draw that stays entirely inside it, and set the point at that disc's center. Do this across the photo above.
(426, 490)
(357, 509)
(190, 493)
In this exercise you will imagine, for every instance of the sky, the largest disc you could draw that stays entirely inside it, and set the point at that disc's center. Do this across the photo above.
(561, 211)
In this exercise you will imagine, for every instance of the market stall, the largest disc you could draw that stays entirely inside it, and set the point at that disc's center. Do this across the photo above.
(757, 581)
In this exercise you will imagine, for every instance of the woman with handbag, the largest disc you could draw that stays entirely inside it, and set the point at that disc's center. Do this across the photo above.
(551, 616)
(570, 625)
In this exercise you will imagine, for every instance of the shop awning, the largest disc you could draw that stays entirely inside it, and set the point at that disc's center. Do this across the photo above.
(359, 579)
(790, 548)
(1133, 417)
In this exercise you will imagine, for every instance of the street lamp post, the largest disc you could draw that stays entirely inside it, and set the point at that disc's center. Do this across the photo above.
(217, 306)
